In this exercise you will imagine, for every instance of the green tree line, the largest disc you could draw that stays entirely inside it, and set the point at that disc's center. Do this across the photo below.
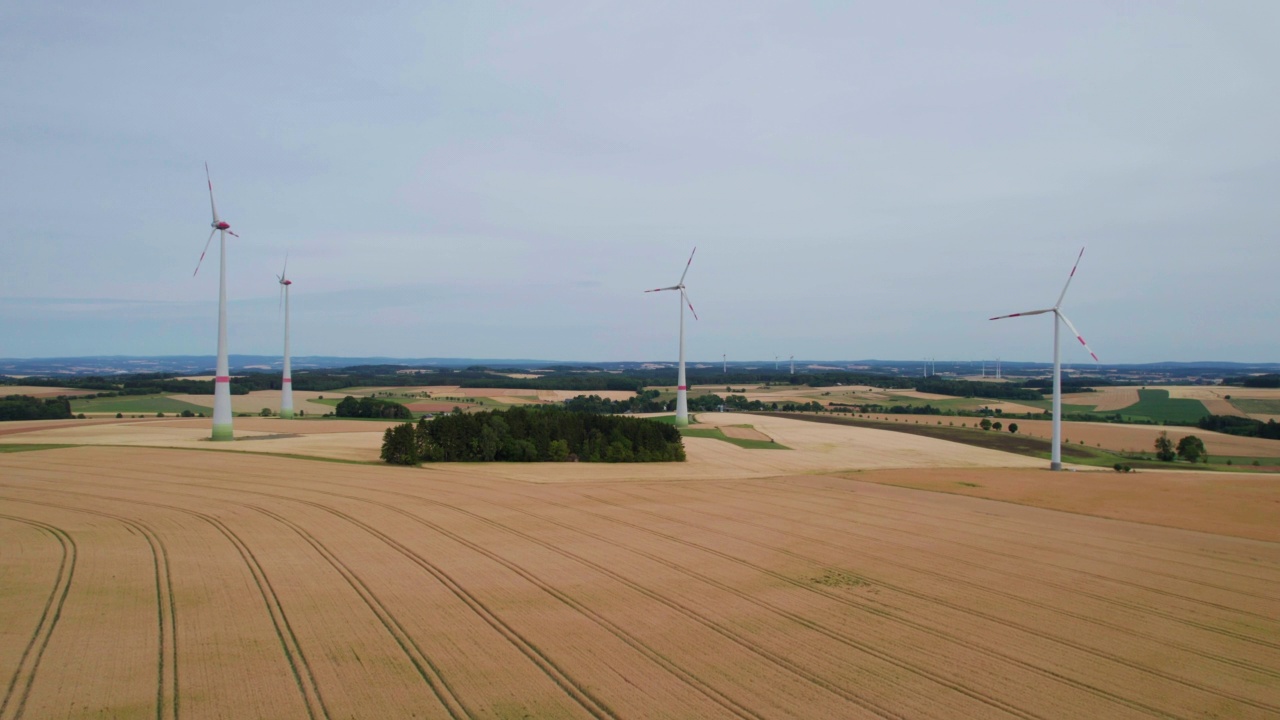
(25, 407)
(367, 407)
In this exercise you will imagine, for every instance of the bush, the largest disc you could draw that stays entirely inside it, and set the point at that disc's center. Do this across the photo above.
(1191, 449)
(159, 414)
(188, 413)
(119, 416)
(985, 424)
(1013, 428)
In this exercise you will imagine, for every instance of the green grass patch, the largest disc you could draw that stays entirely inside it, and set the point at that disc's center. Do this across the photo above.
(135, 404)
(1261, 406)
(671, 419)
(1158, 406)
(717, 434)
(28, 447)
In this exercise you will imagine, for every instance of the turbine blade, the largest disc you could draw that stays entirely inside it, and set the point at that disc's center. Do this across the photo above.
(1021, 314)
(1076, 332)
(1073, 274)
(285, 272)
(202, 252)
(686, 267)
(232, 232)
(685, 297)
(673, 287)
(212, 206)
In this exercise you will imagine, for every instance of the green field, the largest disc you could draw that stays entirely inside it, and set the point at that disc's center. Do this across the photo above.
(136, 404)
(1158, 406)
(1261, 406)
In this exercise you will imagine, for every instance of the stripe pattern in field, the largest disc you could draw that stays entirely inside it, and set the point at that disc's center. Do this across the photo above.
(170, 583)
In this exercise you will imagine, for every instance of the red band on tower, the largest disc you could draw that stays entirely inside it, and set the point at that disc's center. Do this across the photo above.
(222, 378)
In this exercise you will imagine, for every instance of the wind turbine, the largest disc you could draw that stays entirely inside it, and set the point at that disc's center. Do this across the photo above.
(682, 390)
(286, 384)
(1055, 462)
(793, 364)
(222, 376)
(724, 358)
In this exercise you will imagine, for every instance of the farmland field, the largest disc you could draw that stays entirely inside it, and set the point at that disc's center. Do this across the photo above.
(147, 404)
(147, 582)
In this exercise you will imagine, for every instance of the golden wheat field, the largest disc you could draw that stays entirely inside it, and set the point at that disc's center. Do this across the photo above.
(165, 583)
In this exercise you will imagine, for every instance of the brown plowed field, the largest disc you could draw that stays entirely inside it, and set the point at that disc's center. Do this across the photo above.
(139, 582)
(40, 391)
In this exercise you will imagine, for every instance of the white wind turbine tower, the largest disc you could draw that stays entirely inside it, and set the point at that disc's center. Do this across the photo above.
(793, 364)
(724, 358)
(682, 390)
(222, 379)
(286, 383)
(1055, 462)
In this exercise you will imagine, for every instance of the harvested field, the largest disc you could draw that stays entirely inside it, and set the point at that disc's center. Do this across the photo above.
(744, 432)
(1106, 399)
(1141, 438)
(243, 586)
(254, 402)
(42, 392)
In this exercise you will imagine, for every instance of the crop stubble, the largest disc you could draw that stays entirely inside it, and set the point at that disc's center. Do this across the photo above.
(309, 589)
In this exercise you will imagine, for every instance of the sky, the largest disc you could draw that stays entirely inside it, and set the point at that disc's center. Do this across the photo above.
(500, 180)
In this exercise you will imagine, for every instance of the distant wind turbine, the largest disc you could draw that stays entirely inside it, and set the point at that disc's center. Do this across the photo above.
(682, 390)
(222, 376)
(793, 364)
(1055, 462)
(286, 383)
(724, 358)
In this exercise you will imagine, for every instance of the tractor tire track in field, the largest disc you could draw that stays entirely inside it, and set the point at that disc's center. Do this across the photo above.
(986, 588)
(838, 637)
(19, 688)
(167, 629)
(574, 689)
(298, 665)
(594, 706)
(716, 696)
(1069, 643)
(819, 509)
(898, 503)
(1039, 533)
(427, 670)
(977, 649)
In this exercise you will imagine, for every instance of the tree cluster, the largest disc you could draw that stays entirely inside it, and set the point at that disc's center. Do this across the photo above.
(25, 407)
(1247, 427)
(644, 402)
(367, 407)
(970, 388)
(532, 434)
(1189, 448)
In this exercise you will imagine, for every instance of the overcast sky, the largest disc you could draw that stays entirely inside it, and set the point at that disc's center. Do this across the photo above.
(504, 180)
